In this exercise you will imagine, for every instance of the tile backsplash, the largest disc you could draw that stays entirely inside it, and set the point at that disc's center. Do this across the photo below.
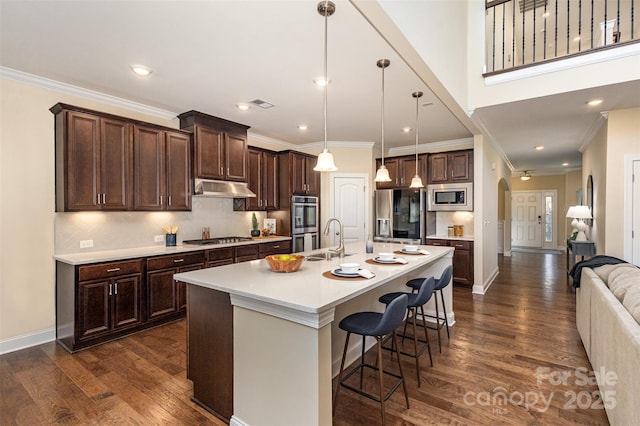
(446, 219)
(117, 230)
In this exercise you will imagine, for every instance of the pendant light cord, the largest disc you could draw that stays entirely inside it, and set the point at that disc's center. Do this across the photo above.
(382, 115)
(417, 101)
(326, 81)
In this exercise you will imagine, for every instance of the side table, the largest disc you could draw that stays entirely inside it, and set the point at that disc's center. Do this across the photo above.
(578, 248)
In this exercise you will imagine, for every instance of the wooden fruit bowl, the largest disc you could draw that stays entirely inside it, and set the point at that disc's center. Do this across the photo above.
(292, 263)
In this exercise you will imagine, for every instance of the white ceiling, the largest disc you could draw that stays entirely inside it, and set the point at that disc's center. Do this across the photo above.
(210, 55)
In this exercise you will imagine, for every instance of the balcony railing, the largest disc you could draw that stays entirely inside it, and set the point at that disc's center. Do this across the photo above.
(521, 33)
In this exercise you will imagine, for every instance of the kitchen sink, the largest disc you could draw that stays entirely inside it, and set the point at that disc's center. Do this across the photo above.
(323, 256)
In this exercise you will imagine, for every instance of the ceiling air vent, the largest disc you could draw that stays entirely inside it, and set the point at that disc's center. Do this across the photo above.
(261, 103)
(526, 5)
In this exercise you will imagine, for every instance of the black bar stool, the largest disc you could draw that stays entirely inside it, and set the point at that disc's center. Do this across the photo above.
(415, 301)
(378, 325)
(441, 283)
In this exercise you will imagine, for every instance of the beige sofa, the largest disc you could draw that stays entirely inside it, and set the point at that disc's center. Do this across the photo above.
(608, 320)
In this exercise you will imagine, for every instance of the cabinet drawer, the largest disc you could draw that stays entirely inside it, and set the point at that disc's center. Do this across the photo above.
(275, 247)
(221, 254)
(111, 269)
(175, 260)
(247, 251)
(437, 242)
(461, 245)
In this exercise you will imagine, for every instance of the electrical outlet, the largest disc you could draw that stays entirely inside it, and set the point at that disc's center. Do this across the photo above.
(86, 243)
(158, 239)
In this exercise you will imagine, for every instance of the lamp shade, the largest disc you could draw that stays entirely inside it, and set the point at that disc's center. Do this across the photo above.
(581, 212)
(325, 162)
(571, 212)
(382, 175)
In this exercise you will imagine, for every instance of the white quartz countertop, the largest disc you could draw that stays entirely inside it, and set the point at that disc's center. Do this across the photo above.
(128, 253)
(307, 290)
(444, 237)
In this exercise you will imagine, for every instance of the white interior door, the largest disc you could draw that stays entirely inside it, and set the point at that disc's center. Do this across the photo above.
(350, 194)
(526, 222)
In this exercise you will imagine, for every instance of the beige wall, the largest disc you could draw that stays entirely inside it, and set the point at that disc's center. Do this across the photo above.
(573, 183)
(623, 138)
(545, 183)
(594, 159)
(27, 269)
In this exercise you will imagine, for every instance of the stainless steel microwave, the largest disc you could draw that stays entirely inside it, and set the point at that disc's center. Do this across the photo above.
(450, 197)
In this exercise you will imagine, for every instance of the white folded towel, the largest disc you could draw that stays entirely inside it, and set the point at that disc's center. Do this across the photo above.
(424, 252)
(401, 260)
(365, 273)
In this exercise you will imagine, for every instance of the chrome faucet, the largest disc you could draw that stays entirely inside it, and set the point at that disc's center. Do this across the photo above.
(340, 249)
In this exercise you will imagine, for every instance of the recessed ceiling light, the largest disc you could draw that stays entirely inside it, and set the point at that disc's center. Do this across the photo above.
(565, 164)
(577, 38)
(406, 129)
(594, 102)
(302, 126)
(141, 70)
(320, 81)
(242, 107)
(544, 15)
(539, 148)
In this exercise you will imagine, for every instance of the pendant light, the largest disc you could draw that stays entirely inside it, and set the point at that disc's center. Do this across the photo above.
(325, 159)
(382, 175)
(416, 181)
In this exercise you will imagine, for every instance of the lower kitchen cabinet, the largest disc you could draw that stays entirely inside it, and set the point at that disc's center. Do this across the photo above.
(276, 247)
(97, 302)
(246, 253)
(165, 296)
(219, 256)
(462, 259)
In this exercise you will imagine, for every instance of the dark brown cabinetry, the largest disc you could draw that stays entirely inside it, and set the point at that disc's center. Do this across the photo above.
(93, 161)
(262, 179)
(220, 146)
(402, 170)
(98, 302)
(106, 162)
(276, 247)
(462, 259)
(297, 176)
(162, 174)
(165, 296)
(450, 167)
(219, 257)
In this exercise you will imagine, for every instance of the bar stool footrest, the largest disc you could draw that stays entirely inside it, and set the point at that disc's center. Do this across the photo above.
(368, 395)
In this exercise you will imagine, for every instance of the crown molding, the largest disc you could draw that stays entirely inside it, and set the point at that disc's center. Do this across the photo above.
(57, 86)
(276, 143)
(590, 133)
(450, 145)
(339, 144)
(477, 119)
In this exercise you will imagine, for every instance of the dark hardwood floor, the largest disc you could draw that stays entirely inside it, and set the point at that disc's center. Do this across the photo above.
(509, 348)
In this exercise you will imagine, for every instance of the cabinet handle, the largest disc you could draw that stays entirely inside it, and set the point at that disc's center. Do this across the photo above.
(259, 203)
(458, 245)
(104, 198)
(116, 289)
(227, 171)
(98, 198)
(113, 270)
(110, 289)
(161, 200)
(178, 260)
(221, 171)
(169, 199)
(275, 247)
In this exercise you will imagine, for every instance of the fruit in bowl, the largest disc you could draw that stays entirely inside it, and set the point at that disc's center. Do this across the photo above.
(285, 262)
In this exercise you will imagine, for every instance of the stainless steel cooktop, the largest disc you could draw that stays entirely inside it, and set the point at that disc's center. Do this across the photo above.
(218, 240)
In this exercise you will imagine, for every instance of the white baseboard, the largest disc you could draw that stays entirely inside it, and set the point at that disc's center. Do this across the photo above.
(236, 422)
(482, 289)
(26, 341)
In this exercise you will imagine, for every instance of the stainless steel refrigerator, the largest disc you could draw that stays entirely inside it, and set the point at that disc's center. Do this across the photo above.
(400, 215)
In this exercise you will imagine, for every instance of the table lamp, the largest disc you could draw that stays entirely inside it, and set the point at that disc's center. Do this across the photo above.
(579, 213)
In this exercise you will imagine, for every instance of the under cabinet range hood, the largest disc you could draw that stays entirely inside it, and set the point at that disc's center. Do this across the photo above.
(221, 189)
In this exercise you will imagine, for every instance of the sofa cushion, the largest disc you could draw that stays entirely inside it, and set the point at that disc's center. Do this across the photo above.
(605, 270)
(631, 301)
(622, 279)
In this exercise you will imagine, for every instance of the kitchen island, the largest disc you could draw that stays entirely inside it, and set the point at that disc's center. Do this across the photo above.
(272, 338)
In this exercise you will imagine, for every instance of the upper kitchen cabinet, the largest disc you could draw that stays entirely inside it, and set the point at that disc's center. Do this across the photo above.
(93, 160)
(262, 179)
(451, 167)
(402, 170)
(220, 146)
(162, 173)
(297, 176)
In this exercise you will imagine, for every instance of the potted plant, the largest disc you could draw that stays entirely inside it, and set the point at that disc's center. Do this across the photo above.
(255, 229)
